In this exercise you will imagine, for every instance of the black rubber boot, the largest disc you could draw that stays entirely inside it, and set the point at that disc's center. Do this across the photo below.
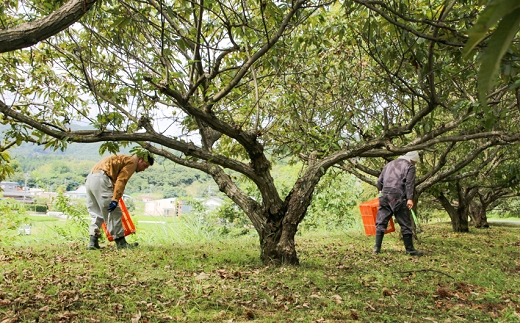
(122, 244)
(408, 244)
(94, 243)
(379, 241)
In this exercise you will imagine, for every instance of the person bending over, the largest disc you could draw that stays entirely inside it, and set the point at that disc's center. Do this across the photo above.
(105, 185)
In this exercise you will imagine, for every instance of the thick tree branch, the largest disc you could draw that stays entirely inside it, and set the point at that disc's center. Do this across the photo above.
(30, 33)
(89, 136)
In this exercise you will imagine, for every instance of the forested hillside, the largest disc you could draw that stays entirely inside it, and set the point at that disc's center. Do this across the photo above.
(78, 151)
(66, 170)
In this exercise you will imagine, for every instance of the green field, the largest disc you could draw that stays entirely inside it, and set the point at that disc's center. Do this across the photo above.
(472, 277)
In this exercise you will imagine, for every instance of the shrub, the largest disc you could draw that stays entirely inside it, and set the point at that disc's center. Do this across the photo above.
(76, 212)
(36, 208)
(13, 215)
(41, 208)
(130, 204)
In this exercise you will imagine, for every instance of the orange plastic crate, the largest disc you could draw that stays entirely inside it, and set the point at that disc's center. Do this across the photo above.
(368, 215)
(128, 225)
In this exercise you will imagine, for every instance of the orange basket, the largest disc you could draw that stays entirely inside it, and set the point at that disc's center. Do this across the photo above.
(128, 225)
(368, 215)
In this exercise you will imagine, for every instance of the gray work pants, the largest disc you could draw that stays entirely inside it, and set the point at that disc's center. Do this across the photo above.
(393, 204)
(99, 194)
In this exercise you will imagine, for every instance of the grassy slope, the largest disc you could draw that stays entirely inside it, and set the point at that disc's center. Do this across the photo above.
(472, 277)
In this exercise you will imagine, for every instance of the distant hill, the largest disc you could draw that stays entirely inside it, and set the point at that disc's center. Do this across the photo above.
(75, 150)
(79, 151)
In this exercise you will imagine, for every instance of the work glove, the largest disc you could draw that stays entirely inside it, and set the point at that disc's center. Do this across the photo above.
(112, 206)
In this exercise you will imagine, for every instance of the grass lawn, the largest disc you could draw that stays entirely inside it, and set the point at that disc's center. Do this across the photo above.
(472, 277)
(505, 219)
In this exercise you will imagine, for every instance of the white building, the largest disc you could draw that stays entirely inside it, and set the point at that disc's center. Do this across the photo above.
(14, 191)
(80, 193)
(164, 207)
(212, 203)
(176, 207)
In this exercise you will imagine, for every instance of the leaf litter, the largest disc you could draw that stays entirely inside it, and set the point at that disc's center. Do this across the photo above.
(338, 280)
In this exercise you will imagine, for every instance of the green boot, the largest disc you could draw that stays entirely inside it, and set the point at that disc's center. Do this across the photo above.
(379, 241)
(122, 244)
(408, 244)
(94, 243)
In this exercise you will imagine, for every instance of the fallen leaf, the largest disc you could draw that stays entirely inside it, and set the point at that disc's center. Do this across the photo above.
(46, 308)
(387, 292)
(337, 299)
(136, 318)
(67, 315)
(202, 276)
(39, 296)
(371, 307)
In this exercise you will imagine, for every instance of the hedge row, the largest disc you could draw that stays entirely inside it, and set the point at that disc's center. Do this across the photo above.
(40, 208)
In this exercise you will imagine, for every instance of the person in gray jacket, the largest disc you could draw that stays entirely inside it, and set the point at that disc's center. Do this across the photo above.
(396, 186)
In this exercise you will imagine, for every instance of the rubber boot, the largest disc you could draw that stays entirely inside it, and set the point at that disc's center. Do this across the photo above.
(94, 243)
(379, 241)
(122, 244)
(408, 244)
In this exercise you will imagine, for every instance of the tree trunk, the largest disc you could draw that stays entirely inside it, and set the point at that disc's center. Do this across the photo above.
(459, 221)
(277, 235)
(473, 213)
(478, 215)
(459, 215)
(277, 243)
(275, 220)
(482, 219)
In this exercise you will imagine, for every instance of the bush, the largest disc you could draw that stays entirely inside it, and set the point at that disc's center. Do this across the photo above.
(41, 208)
(76, 212)
(130, 204)
(36, 208)
(13, 215)
(334, 203)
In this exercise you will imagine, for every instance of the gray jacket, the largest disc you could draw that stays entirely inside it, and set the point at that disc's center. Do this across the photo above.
(398, 176)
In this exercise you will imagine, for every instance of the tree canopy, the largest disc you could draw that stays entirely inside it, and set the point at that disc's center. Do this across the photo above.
(230, 87)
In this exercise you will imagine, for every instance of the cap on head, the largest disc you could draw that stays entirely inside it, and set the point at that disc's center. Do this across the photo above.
(412, 156)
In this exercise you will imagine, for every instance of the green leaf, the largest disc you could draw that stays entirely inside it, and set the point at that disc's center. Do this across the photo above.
(494, 11)
(498, 45)
(111, 147)
(124, 22)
